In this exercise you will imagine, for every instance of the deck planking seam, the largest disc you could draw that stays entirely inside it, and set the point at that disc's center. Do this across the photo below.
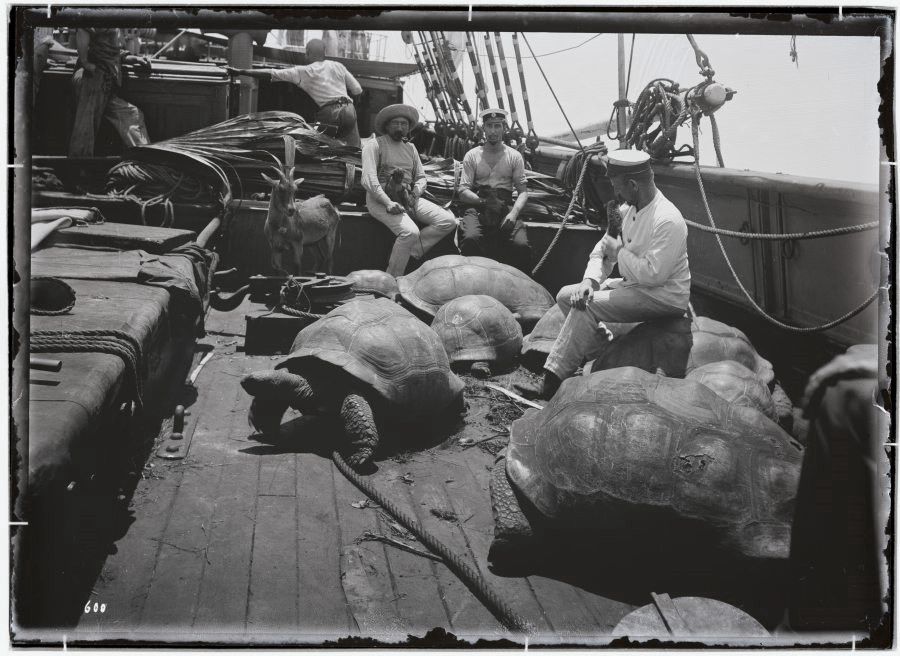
(252, 549)
(442, 593)
(465, 529)
(161, 542)
(209, 533)
(298, 615)
(395, 594)
(351, 620)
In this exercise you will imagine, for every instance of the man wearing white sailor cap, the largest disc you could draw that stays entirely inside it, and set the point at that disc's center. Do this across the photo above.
(385, 156)
(652, 257)
(491, 226)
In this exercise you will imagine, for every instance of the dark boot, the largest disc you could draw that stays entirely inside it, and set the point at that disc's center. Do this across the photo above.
(545, 390)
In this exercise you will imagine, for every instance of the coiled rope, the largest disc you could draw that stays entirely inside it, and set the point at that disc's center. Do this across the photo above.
(695, 132)
(471, 577)
(562, 225)
(41, 286)
(113, 342)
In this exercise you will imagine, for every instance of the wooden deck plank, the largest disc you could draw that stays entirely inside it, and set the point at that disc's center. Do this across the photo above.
(469, 618)
(323, 610)
(183, 544)
(272, 605)
(469, 495)
(420, 598)
(558, 601)
(574, 613)
(277, 475)
(353, 523)
(124, 581)
(222, 603)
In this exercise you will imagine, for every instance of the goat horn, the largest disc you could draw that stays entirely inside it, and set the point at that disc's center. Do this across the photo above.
(289, 150)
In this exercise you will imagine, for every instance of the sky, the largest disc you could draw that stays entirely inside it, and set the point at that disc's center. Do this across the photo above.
(816, 117)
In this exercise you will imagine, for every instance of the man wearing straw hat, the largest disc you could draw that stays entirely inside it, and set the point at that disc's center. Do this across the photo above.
(386, 156)
(490, 173)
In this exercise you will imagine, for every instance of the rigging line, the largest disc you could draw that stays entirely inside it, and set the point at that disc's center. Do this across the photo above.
(441, 67)
(506, 79)
(547, 54)
(550, 86)
(630, 59)
(493, 64)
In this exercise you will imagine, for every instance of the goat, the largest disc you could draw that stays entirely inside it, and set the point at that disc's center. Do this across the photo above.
(292, 225)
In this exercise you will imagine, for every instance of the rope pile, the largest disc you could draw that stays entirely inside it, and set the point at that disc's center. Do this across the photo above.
(113, 342)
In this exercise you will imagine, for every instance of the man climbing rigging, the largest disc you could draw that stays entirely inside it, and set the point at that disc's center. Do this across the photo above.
(391, 155)
(98, 76)
(490, 174)
(652, 257)
(328, 83)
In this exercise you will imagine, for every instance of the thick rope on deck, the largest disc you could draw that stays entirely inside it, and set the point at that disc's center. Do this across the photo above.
(471, 577)
(112, 342)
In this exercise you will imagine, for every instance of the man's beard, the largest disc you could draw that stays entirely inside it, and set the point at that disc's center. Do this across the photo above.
(398, 136)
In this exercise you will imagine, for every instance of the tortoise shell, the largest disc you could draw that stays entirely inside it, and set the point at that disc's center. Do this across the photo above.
(680, 345)
(447, 277)
(736, 384)
(624, 445)
(375, 279)
(385, 347)
(478, 328)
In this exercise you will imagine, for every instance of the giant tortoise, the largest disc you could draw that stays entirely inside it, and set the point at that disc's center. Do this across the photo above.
(447, 277)
(679, 345)
(624, 448)
(478, 331)
(383, 283)
(366, 356)
(736, 384)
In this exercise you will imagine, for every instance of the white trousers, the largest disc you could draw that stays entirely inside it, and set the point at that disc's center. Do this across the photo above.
(581, 339)
(411, 241)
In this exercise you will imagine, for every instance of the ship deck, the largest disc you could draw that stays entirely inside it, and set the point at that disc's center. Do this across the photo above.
(245, 541)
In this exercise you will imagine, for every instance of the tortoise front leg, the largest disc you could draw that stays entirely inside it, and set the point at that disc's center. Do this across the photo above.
(273, 392)
(359, 429)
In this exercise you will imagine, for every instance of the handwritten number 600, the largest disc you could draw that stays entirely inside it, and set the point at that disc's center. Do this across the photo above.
(94, 608)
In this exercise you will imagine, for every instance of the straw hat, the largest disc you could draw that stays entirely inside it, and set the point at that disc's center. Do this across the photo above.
(408, 112)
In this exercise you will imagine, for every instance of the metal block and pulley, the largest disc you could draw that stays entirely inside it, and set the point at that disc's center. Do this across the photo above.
(270, 328)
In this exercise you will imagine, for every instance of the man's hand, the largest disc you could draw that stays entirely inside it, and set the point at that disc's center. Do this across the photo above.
(395, 208)
(141, 63)
(509, 219)
(611, 246)
(231, 70)
(583, 295)
(414, 194)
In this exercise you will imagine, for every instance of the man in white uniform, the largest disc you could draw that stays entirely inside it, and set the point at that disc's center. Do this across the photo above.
(652, 257)
(381, 157)
(328, 83)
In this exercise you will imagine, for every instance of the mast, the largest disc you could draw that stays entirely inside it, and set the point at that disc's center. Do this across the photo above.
(621, 127)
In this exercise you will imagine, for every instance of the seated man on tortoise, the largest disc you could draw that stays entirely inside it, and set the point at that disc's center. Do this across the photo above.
(651, 253)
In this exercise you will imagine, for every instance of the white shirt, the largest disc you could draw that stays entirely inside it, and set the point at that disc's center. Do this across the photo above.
(653, 258)
(324, 81)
